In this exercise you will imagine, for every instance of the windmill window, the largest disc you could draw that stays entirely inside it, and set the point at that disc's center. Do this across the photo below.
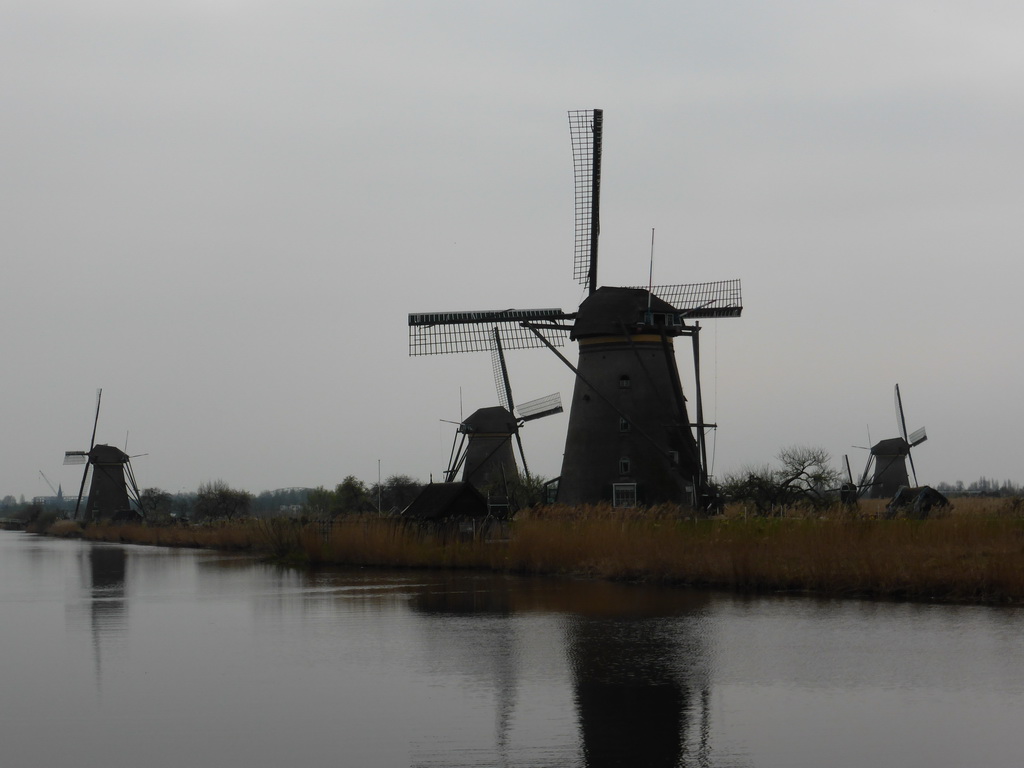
(623, 494)
(673, 458)
(624, 465)
(623, 425)
(625, 382)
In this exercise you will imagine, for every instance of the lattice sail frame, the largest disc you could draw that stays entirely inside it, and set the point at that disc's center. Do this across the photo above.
(442, 333)
(585, 131)
(500, 373)
(697, 300)
(539, 408)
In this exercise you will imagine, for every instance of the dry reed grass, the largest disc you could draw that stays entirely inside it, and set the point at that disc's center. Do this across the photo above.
(973, 553)
(377, 541)
(243, 535)
(978, 559)
(65, 528)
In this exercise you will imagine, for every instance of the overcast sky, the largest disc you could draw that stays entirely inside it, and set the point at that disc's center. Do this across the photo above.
(222, 211)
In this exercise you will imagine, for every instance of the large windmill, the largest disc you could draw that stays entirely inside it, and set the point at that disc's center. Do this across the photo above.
(112, 478)
(886, 469)
(630, 439)
(483, 449)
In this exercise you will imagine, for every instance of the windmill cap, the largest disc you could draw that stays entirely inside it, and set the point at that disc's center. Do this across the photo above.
(894, 446)
(493, 420)
(107, 454)
(607, 310)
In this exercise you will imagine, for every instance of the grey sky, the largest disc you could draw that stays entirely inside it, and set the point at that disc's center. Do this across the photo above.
(222, 212)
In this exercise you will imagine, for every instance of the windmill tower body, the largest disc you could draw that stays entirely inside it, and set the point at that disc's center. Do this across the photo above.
(108, 492)
(629, 436)
(890, 464)
(490, 461)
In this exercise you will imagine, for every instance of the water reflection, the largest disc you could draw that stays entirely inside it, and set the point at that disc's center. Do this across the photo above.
(107, 571)
(632, 705)
(491, 651)
(101, 600)
(264, 666)
(639, 670)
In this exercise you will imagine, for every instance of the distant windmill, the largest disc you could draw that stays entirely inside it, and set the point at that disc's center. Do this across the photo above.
(483, 449)
(886, 468)
(630, 439)
(112, 478)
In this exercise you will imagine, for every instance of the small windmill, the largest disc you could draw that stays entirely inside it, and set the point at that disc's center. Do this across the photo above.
(630, 439)
(112, 478)
(483, 449)
(887, 462)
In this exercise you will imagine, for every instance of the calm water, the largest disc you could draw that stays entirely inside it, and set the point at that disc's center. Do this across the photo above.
(132, 656)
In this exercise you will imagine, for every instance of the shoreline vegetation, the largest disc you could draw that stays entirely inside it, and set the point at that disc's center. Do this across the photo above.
(973, 553)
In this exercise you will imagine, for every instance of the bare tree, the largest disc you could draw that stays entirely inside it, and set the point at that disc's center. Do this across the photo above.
(216, 500)
(156, 504)
(803, 479)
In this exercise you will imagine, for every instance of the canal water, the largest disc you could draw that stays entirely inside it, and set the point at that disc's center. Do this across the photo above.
(134, 656)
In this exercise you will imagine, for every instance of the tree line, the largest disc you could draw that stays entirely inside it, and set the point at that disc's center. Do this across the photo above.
(983, 486)
(803, 475)
(216, 500)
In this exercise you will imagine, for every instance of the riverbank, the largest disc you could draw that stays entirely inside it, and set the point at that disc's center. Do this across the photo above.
(973, 554)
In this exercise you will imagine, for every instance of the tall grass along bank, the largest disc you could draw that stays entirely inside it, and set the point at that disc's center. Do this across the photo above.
(974, 554)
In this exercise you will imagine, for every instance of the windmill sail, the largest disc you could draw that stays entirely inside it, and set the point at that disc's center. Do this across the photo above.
(867, 469)
(539, 408)
(586, 128)
(901, 422)
(915, 438)
(442, 333)
(698, 300)
(500, 370)
(96, 421)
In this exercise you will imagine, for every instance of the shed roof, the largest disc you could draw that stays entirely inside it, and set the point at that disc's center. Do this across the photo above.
(438, 501)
